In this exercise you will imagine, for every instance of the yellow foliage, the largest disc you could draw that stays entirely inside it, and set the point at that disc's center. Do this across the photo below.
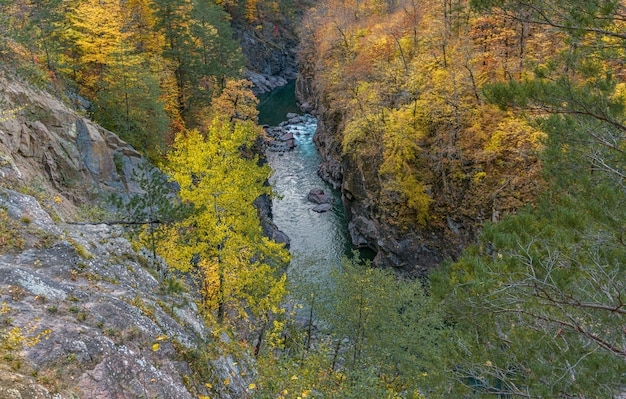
(6, 115)
(16, 338)
(400, 139)
(514, 134)
(237, 101)
(222, 240)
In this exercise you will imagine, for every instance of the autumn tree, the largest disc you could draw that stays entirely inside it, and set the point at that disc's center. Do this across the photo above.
(539, 301)
(237, 101)
(32, 28)
(95, 35)
(199, 47)
(222, 240)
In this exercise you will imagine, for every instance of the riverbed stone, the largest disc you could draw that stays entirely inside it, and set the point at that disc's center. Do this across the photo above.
(287, 136)
(322, 208)
(318, 196)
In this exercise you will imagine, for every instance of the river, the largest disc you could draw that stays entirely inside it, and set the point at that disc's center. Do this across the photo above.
(318, 240)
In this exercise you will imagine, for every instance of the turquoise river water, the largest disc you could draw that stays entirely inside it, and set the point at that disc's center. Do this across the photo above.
(318, 240)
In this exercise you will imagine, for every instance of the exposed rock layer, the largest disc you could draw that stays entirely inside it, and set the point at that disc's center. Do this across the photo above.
(46, 145)
(113, 331)
(270, 54)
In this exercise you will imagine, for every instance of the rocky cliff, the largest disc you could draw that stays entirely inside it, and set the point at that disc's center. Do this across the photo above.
(48, 147)
(83, 312)
(408, 248)
(270, 53)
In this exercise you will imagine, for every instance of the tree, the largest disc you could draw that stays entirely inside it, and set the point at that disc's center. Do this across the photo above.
(36, 26)
(172, 22)
(539, 302)
(129, 103)
(540, 305)
(150, 212)
(237, 265)
(218, 55)
(237, 101)
(95, 35)
(377, 336)
(200, 49)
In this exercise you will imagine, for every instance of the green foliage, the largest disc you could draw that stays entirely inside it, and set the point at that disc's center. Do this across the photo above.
(538, 303)
(150, 212)
(376, 336)
(199, 46)
(141, 119)
(218, 56)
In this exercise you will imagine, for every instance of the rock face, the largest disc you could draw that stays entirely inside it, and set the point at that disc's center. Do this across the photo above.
(329, 146)
(111, 331)
(263, 204)
(317, 196)
(271, 55)
(108, 328)
(39, 133)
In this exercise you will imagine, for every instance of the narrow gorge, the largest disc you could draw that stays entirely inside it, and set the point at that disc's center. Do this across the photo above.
(294, 199)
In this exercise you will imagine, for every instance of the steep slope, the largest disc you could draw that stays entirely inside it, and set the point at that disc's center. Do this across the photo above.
(267, 32)
(422, 159)
(84, 314)
(48, 147)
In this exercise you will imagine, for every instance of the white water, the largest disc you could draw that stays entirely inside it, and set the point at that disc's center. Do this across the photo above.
(318, 240)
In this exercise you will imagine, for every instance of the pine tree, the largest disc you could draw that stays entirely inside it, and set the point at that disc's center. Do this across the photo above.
(538, 304)
(218, 56)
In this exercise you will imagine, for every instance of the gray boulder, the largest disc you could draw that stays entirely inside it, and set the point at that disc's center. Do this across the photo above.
(321, 208)
(318, 196)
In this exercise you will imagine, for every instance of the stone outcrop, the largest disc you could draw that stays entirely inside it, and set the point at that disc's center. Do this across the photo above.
(270, 54)
(329, 146)
(282, 138)
(318, 196)
(112, 332)
(263, 204)
(47, 145)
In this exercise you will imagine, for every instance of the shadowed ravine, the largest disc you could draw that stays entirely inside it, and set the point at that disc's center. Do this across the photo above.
(314, 236)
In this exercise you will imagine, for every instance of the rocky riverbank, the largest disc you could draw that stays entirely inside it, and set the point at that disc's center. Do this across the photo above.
(271, 55)
(281, 138)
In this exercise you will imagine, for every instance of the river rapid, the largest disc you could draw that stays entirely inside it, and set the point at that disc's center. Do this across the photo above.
(318, 240)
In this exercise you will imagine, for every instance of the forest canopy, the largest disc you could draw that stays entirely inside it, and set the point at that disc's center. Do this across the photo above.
(494, 128)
